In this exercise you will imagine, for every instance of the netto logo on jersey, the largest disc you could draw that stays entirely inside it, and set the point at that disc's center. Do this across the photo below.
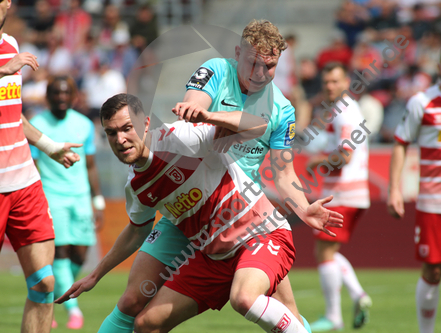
(248, 150)
(184, 202)
(11, 91)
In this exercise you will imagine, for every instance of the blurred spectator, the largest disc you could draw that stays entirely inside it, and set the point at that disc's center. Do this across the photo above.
(337, 51)
(352, 19)
(428, 53)
(365, 54)
(111, 23)
(85, 60)
(420, 23)
(412, 82)
(123, 56)
(42, 23)
(144, 29)
(392, 116)
(14, 25)
(33, 93)
(310, 79)
(56, 58)
(73, 25)
(387, 18)
(285, 76)
(101, 84)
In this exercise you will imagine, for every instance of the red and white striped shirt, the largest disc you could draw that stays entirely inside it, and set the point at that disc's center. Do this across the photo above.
(349, 185)
(198, 190)
(17, 169)
(422, 122)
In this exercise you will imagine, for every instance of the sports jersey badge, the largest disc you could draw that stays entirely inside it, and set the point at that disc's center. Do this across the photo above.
(176, 175)
(290, 133)
(200, 78)
(153, 236)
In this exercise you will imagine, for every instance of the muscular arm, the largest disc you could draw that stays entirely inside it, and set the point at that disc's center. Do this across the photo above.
(197, 96)
(395, 203)
(31, 133)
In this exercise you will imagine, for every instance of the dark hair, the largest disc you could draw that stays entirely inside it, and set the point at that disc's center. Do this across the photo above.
(330, 66)
(52, 80)
(117, 102)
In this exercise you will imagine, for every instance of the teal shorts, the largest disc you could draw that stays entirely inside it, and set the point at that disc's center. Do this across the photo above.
(166, 243)
(73, 219)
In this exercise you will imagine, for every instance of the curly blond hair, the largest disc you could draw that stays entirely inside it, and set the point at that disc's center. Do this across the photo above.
(264, 36)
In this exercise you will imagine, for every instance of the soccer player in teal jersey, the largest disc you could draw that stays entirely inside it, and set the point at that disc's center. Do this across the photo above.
(69, 191)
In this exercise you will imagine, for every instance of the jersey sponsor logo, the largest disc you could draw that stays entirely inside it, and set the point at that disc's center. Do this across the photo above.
(290, 133)
(153, 236)
(184, 202)
(282, 325)
(248, 150)
(176, 175)
(423, 250)
(11, 91)
(200, 78)
(439, 136)
(228, 104)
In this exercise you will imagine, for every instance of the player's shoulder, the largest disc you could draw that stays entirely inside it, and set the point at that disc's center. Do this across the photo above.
(429, 98)
(10, 41)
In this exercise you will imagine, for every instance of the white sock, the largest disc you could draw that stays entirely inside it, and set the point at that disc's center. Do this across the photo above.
(331, 281)
(350, 280)
(273, 317)
(427, 296)
(75, 311)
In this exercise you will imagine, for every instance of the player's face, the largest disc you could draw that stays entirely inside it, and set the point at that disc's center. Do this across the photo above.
(254, 70)
(4, 6)
(123, 139)
(334, 82)
(60, 98)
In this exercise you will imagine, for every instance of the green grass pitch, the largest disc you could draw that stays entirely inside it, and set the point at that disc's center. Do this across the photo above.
(392, 291)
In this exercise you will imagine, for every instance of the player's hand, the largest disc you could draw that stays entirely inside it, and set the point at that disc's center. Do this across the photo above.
(18, 61)
(66, 156)
(191, 112)
(395, 204)
(224, 139)
(99, 219)
(85, 284)
(320, 218)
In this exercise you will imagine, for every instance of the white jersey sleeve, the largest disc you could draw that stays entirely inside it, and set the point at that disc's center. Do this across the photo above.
(187, 139)
(138, 213)
(408, 129)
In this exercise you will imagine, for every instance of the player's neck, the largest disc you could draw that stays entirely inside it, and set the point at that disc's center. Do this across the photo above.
(146, 151)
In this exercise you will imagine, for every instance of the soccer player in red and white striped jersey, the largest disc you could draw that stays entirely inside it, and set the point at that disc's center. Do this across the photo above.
(422, 123)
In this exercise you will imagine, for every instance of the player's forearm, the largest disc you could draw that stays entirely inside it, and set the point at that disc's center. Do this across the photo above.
(396, 166)
(31, 133)
(130, 240)
(244, 123)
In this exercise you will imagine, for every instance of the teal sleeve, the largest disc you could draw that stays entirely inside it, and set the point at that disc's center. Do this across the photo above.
(89, 145)
(208, 77)
(283, 136)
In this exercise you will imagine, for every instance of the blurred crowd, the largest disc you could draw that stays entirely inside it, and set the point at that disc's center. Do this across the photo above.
(361, 26)
(98, 51)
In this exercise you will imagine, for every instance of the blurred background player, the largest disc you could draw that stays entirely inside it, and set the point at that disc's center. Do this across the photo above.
(24, 212)
(69, 191)
(348, 182)
(421, 124)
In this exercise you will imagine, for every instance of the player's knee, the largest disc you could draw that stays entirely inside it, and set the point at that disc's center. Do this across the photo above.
(242, 302)
(132, 304)
(41, 285)
(150, 322)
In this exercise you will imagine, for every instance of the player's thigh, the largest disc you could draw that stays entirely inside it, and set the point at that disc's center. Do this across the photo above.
(166, 310)
(82, 226)
(166, 243)
(61, 219)
(77, 253)
(325, 250)
(432, 272)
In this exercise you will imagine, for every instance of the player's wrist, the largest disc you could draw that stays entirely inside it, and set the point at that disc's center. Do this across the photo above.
(48, 146)
(98, 202)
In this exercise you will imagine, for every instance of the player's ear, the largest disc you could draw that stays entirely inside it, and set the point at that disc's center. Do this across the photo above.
(147, 123)
(237, 52)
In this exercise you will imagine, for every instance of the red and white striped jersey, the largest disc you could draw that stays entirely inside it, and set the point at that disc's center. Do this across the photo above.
(17, 169)
(205, 194)
(422, 122)
(349, 185)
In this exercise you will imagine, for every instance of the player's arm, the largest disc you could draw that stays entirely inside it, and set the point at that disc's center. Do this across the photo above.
(59, 151)
(17, 62)
(316, 216)
(395, 203)
(97, 200)
(199, 97)
(130, 239)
